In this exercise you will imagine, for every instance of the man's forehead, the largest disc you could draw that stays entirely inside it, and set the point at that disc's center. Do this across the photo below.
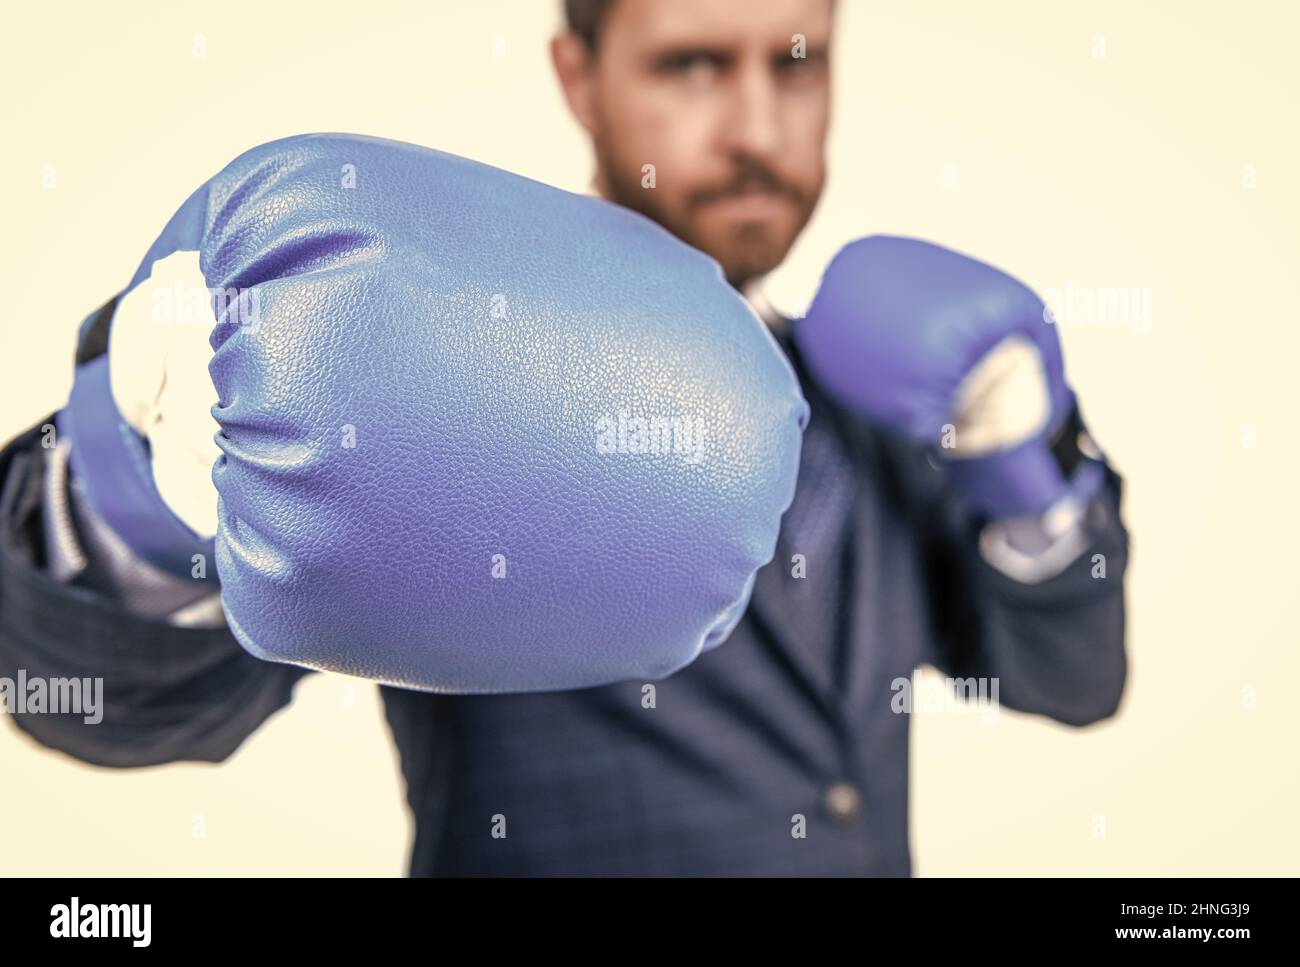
(719, 23)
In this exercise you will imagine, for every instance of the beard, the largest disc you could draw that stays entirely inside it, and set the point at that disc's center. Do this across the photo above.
(744, 249)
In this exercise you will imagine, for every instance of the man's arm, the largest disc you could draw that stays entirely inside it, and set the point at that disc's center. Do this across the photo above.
(166, 692)
(1017, 511)
(1053, 636)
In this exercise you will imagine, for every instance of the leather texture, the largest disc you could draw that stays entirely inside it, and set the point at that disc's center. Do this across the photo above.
(927, 341)
(434, 384)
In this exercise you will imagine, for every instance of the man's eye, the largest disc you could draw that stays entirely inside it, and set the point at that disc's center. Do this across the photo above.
(799, 68)
(691, 65)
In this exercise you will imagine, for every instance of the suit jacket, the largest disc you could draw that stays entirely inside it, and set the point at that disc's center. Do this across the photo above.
(782, 752)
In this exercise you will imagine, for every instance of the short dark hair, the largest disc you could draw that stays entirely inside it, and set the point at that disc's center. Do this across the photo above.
(585, 18)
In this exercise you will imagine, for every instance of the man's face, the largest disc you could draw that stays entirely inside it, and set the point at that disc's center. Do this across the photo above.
(729, 107)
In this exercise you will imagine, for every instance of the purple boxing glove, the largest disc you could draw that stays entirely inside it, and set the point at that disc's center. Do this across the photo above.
(953, 354)
(477, 434)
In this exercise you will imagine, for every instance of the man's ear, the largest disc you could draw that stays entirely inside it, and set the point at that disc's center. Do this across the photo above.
(575, 65)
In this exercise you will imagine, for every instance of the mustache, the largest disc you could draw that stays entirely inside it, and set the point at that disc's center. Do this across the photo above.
(752, 177)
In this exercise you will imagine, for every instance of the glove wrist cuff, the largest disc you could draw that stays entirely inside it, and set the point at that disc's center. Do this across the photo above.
(1014, 483)
(111, 462)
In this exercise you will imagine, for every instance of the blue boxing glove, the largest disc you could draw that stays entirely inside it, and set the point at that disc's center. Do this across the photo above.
(955, 355)
(476, 434)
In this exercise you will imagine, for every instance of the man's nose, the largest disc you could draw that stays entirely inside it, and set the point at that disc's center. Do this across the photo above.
(753, 126)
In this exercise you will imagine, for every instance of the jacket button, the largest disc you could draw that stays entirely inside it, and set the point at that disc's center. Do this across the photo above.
(843, 802)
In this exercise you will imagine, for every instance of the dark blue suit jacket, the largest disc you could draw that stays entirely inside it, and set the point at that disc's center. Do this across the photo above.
(780, 752)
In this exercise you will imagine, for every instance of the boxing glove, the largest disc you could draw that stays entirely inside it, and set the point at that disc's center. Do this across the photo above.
(476, 434)
(956, 356)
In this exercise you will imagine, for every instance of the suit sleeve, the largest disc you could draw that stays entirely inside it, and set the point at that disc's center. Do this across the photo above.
(168, 693)
(1057, 646)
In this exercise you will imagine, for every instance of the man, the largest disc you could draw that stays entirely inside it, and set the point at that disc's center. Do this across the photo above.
(709, 118)
(784, 750)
